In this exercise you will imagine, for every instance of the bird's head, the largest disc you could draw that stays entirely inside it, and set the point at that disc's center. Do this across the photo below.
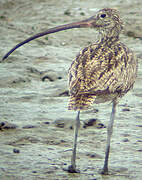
(107, 21)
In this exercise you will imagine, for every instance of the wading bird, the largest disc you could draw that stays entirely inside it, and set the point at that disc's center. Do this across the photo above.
(103, 71)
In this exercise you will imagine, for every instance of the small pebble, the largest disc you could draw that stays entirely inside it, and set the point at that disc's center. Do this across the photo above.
(65, 93)
(16, 150)
(59, 123)
(71, 127)
(100, 125)
(47, 78)
(139, 141)
(126, 140)
(28, 127)
(67, 12)
(90, 122)
(47, 122)
(34, 171)
(93, 122)
(139, 125)
(94, 155)
(2, 123)
(82, 14)
(126, 109)
(7, 126)
(62, 141)
(131, 34)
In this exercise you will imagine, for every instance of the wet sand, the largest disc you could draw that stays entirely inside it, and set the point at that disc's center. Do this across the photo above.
(36, 129)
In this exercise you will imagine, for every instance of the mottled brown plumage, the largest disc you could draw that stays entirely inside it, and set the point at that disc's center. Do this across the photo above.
(102, 71)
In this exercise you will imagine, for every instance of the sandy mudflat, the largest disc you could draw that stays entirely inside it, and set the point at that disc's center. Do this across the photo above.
(36, 128)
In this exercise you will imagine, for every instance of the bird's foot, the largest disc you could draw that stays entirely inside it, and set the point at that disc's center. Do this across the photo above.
(71, 169)
(104, 171)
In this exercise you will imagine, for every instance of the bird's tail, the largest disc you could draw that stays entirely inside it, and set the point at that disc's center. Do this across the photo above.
(81, 102)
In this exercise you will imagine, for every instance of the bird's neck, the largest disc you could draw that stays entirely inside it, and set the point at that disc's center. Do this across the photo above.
(109, 35)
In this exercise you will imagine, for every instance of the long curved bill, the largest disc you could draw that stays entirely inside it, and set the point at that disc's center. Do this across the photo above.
(81, 24)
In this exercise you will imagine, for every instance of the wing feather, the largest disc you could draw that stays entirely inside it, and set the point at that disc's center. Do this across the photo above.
(99, 69)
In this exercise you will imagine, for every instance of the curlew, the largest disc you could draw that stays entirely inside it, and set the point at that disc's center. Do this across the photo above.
(103, 71)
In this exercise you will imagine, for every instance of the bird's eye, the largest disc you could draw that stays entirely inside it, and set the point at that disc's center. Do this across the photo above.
(103, 15)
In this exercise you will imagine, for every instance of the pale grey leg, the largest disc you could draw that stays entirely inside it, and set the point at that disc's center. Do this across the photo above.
(72, 167)
(109, 133)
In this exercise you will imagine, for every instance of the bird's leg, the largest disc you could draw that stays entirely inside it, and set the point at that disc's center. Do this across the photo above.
(109, 133)
(72, 167)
